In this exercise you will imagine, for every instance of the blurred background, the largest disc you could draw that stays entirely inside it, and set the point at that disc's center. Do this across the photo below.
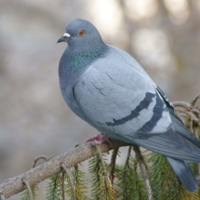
(164, 36)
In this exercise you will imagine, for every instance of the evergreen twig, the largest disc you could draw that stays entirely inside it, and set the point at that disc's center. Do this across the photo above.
(194, 101)
(63, 184)
(143, 168)
(79, 178)
(112, 164)
(101, 157)
(102, 188)
(28, 188)
(53, 190)
(71, 180)
(30, 192)
(26, 193)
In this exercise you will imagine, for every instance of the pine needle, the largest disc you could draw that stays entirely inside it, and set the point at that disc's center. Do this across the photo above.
(102, 189)
(26, 194)
(54, 188)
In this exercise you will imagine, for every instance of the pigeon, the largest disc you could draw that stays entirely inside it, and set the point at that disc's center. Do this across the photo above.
(108, 88)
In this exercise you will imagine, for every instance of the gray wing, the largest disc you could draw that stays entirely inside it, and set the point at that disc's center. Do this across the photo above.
(121, 101)
(119, 98)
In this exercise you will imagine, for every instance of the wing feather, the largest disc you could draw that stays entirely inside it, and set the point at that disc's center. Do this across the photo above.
(119, 99)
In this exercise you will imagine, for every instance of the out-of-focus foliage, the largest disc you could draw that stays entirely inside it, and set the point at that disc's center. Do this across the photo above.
(164, 36)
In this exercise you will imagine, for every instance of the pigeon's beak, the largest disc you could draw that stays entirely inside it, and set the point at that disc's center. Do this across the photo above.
(64, 38)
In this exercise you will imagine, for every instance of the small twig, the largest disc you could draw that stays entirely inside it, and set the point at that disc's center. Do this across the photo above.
(196, 111)
(191, 124)
(45, 158)
(112, 164)
(196, 131)
(63, 184)
(127, 157)
(188, 114)
(180, 110)
(143, 169)
(192, 117)
(28, 187)
(182, 117)
(71, 180)
(93, 144)
(57, 176)
(181, 104)
(194, 101)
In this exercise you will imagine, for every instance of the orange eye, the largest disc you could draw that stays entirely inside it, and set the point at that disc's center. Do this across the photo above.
(81, 32)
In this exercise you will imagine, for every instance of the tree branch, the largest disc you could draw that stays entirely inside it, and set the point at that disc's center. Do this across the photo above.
(38, 174)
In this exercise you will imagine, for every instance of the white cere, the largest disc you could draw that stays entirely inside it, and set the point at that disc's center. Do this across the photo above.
(66, 35)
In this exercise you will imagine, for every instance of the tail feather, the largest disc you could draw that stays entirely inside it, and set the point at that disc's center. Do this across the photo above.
(184, 173)
(182, 130)
(169, 144)
(177, 123)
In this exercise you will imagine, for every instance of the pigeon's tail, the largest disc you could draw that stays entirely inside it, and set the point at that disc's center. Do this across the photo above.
(182, 130)
(184, 173)
(177, 123)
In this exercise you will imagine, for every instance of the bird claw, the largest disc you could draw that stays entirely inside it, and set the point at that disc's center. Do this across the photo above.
(98, 139)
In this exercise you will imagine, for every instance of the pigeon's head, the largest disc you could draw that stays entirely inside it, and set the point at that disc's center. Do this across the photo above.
(81, 34)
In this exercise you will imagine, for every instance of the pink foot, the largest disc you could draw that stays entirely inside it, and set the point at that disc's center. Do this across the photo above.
(98, 139)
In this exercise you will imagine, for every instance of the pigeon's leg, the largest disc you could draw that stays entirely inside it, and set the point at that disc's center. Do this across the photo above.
(98, 139)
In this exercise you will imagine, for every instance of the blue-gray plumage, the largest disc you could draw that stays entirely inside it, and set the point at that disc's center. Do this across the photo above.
(107, 88)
